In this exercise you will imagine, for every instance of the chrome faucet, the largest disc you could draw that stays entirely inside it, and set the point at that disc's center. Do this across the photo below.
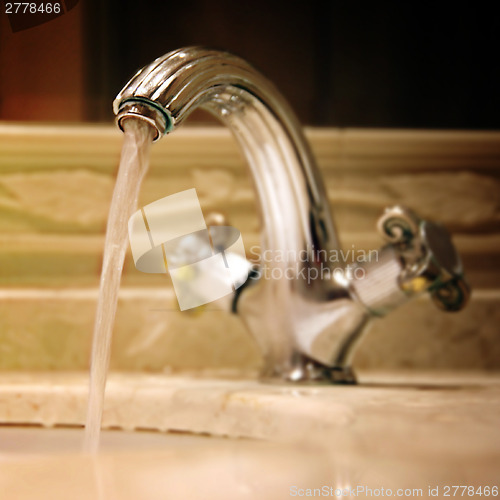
(305, 315)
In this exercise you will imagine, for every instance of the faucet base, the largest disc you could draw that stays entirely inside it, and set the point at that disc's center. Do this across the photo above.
(308, 371)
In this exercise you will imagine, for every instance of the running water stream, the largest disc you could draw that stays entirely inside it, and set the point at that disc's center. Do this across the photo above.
(134, 163)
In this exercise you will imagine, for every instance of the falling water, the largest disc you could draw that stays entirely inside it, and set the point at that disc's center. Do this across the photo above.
(134, 164)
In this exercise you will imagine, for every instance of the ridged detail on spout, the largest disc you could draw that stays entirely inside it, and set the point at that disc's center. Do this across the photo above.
(178, 80)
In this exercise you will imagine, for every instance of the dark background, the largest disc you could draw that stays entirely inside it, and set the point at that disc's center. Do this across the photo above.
(342, 64)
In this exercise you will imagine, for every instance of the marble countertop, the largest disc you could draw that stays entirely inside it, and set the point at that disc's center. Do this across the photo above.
(401, 427)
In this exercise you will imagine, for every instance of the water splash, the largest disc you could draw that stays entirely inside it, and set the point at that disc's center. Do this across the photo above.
(134, 163)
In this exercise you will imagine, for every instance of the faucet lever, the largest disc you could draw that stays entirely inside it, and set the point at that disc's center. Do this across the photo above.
(429, 258)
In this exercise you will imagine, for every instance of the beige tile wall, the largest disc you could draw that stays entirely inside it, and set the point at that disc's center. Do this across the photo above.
(55, 189)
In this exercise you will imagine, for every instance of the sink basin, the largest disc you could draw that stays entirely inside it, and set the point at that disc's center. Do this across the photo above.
(42, 463)
(188, 437)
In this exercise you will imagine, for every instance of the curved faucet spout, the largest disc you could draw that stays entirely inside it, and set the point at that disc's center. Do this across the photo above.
(304, 316)
(283, 168)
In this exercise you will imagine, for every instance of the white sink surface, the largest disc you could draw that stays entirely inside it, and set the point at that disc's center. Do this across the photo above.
(40, 463)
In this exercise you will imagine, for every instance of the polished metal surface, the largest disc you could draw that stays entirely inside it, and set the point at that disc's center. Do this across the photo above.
(428, 258)
(305, 315)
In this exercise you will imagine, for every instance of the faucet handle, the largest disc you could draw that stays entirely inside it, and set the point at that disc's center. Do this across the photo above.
(429, 258)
